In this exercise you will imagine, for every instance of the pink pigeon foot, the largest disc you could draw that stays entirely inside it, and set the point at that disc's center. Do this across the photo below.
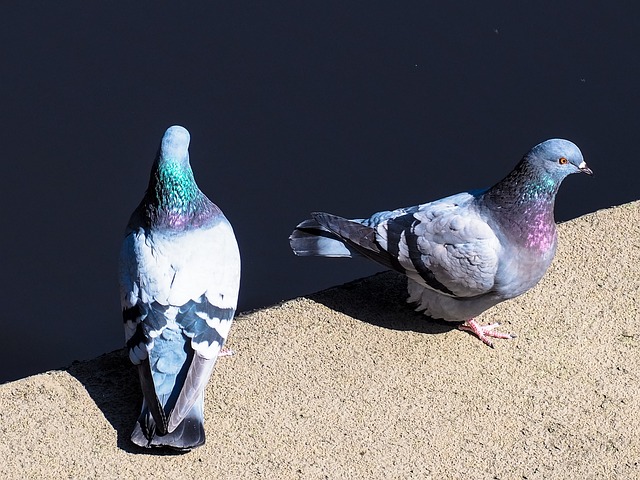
(225, 352)
(483, 332)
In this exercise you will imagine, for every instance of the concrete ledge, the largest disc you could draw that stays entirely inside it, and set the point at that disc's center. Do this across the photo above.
(351, 383)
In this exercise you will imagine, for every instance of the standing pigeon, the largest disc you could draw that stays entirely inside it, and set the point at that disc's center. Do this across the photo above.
(465, 253)
(179, 279)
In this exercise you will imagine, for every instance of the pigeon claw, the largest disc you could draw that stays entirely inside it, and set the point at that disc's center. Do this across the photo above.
(484, 332)
(226, 352)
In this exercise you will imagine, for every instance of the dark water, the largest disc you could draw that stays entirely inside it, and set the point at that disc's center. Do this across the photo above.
(344, 107)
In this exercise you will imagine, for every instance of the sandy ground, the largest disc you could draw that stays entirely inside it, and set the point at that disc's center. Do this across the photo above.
(351, 383)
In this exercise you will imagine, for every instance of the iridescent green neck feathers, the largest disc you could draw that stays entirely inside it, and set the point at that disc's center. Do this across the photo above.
(173, 200)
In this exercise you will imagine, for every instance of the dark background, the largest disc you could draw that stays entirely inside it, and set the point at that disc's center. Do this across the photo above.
(346, 107)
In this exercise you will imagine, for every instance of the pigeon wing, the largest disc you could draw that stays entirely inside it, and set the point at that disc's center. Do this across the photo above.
(208, 309)
(445, 246)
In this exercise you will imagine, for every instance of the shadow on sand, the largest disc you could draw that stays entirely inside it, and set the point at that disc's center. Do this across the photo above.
(380, 300)
(112, 382)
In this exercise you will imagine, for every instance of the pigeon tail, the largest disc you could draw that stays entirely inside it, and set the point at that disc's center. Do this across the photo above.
(187, 435)
(172, 380)
(310, 239)
(358, 237)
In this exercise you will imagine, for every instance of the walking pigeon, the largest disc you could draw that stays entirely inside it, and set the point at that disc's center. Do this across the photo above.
(179, 278)
(465, 253)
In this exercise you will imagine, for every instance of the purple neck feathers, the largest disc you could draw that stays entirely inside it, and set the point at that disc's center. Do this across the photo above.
(525, 200)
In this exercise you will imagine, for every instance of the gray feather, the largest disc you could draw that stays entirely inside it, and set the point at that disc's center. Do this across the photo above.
(312, 239)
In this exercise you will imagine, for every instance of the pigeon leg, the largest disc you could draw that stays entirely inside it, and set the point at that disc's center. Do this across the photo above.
(483, 332)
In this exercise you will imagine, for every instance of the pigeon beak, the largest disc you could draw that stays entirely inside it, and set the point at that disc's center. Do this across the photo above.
(584, 169)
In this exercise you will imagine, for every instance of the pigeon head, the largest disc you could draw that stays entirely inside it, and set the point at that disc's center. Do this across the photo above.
(523, 201)
(172, 182)
(174, 147)
(173, 199)
(557, 158)
(538, 176)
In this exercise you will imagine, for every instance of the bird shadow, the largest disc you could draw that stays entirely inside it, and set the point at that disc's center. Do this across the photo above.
(380, 300)
(112, 383)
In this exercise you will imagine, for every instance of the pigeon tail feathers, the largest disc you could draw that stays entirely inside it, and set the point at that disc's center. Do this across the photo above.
(187, 435)
(356, 236)
(310, 239)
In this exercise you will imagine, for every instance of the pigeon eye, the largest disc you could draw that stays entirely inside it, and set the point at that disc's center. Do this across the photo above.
(563, 161)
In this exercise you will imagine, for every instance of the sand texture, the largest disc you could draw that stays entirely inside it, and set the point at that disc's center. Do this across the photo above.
(352, 383)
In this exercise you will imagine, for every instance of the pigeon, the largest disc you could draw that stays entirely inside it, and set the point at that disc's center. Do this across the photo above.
(465, 253)
(179, 273)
